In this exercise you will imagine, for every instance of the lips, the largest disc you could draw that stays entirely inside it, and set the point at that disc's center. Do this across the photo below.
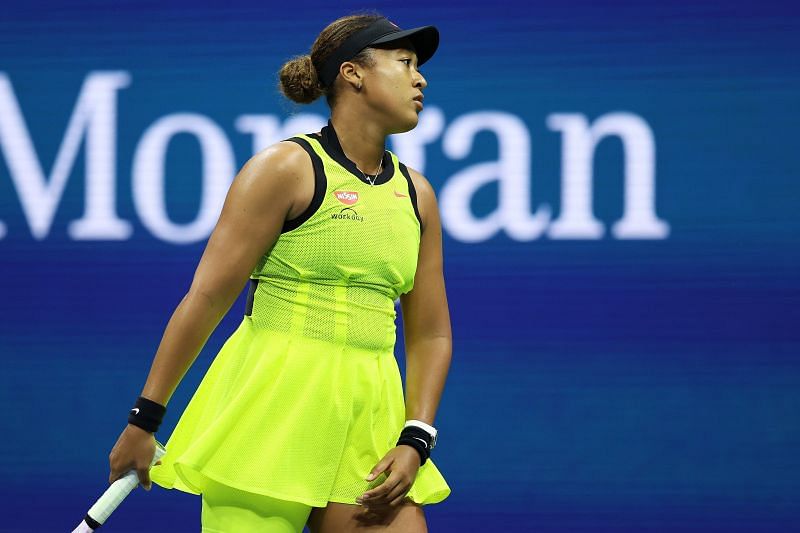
(418, 99)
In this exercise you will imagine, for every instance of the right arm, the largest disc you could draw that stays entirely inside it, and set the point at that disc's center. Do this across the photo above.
(257, 204)
(269, 188)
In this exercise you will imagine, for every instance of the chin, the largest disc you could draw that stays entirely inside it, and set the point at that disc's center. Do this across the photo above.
(406, 124)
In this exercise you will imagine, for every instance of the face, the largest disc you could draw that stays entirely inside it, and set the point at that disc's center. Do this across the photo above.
(393, 86)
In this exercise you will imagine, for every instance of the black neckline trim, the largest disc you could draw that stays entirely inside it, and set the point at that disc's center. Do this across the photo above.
(330, 143)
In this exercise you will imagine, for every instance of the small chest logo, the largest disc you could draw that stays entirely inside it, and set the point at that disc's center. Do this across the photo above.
(346, 197)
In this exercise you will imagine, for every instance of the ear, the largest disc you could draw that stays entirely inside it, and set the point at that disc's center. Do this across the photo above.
(352, 73)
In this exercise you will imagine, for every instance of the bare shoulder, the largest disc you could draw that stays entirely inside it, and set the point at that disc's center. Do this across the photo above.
(280, 175)
(284, 162)
(426, 197)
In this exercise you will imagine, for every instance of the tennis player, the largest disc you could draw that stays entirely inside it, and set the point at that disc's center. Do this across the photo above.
(301, 417)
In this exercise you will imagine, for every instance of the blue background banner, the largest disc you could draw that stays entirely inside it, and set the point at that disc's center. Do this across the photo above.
(619, 194)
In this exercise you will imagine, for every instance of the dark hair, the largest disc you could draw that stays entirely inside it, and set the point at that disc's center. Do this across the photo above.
(299, 80)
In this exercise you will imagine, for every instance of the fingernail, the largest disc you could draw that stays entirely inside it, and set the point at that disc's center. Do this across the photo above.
(369, 477)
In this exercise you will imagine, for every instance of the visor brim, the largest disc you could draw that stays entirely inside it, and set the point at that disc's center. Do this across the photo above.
(425, 40)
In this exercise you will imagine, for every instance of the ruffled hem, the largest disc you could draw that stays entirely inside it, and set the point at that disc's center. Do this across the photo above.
(184, 473)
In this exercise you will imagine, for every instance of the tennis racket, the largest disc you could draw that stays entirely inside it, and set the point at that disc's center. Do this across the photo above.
(113, 496)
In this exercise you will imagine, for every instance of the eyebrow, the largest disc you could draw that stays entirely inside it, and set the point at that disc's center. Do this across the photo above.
(406, 51)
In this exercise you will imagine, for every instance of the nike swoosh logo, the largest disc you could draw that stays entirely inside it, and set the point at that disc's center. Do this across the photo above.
(135, 411)
(400, 195)
(422, 441)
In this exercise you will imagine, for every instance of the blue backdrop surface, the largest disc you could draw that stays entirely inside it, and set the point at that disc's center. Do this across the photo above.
(619, 194)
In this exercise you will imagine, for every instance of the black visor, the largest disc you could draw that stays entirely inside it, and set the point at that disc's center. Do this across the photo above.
(425, 40)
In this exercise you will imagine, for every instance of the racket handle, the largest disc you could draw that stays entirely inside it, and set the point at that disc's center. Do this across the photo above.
(113, 496)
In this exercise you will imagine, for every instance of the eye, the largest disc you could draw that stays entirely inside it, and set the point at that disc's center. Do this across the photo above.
(408, 61)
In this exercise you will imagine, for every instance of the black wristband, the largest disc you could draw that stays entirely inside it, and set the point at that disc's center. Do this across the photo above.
(147, 414)
(419, 439)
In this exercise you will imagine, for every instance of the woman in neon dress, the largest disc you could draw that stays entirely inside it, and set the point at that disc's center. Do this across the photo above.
(301, 417)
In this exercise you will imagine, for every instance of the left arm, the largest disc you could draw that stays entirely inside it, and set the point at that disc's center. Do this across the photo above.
(426, 318)
(426, 323)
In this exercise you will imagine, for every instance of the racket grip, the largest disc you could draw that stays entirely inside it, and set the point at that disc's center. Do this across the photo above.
(117, 492)
(113, 496)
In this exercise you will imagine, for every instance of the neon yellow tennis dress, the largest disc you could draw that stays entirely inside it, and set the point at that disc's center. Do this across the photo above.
(305, 397)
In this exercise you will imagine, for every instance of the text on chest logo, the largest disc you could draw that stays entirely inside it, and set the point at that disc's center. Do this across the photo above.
(346, 197)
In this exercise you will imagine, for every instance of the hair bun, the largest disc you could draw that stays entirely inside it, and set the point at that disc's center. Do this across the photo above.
(299, 81)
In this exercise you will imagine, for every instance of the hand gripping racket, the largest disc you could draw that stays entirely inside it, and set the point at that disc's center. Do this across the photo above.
(113, 496)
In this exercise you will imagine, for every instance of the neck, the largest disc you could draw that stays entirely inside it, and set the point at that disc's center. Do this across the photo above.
(362, 142)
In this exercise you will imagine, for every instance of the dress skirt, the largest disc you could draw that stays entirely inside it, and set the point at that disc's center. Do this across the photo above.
(293, 418)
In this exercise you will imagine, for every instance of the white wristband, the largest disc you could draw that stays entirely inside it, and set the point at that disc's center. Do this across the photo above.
(422, 425)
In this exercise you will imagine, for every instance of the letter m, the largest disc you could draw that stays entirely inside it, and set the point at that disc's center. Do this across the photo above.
(93, 118)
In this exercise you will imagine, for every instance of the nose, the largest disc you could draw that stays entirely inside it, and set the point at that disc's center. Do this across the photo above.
(420, 81)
